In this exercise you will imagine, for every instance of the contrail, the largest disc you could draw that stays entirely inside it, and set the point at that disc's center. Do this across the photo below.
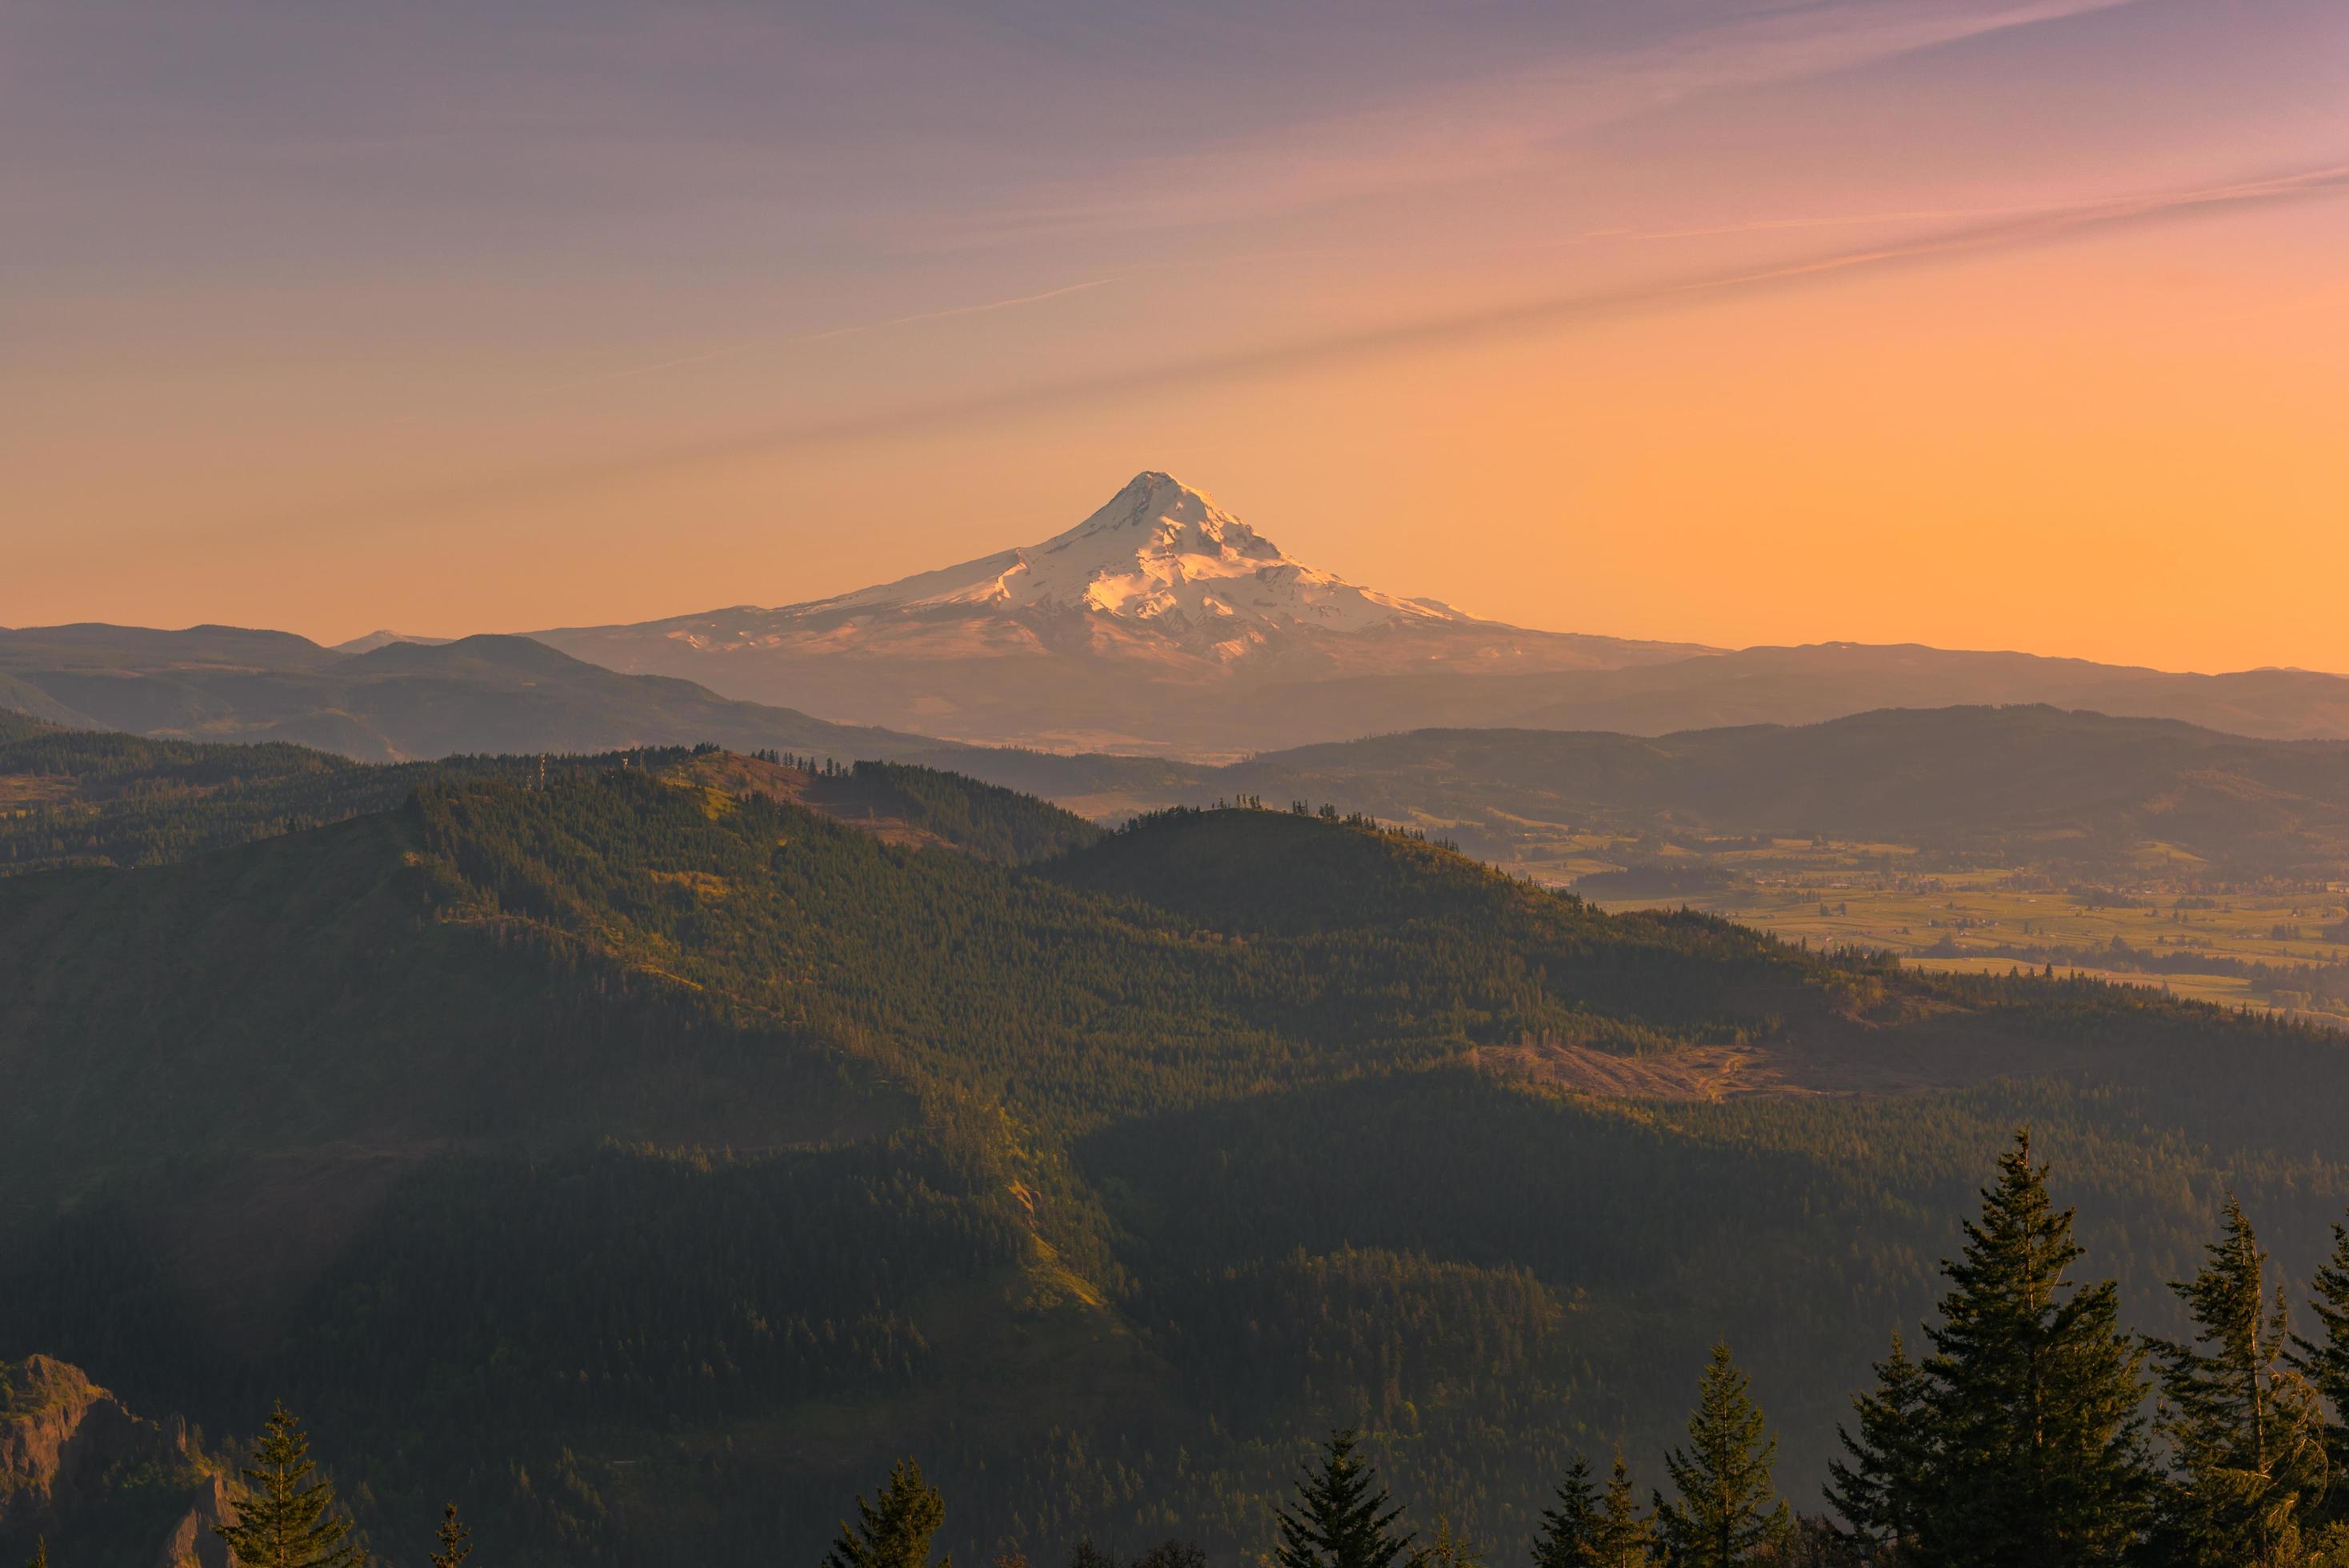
(753, 345)
(2051, 222)
(1836, 221)
(1512, 121)
(2071, 210)
(2050, 226)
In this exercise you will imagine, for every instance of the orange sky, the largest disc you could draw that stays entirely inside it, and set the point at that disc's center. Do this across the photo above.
(1873, 320)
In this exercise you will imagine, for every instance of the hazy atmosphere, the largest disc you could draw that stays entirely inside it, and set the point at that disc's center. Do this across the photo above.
(1984, 325)
(1040, 784)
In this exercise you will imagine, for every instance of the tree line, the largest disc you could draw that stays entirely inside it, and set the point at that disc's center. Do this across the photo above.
(2032, 1431)
(2035, 1432)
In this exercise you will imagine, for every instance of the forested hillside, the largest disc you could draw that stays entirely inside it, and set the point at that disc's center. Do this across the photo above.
(73, 797)
(646, 1160)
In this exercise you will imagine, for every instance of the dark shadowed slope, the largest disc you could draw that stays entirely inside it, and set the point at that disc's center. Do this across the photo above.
(649, 1165)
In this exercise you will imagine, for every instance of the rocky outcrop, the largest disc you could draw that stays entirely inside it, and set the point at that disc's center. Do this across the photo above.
(190, 1543)
(75, 1465)
(60, 1434)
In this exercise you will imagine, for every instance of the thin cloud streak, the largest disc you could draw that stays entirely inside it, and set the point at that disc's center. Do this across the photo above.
(1483, 129)
(1836, 221)
(2080, 219)
(734, 350)
(2060, 223)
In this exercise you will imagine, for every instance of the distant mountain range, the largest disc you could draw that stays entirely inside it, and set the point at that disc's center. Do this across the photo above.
(1163, 624)
(384, 637)
(395, 702)
(2036, 784)
(2039, 782)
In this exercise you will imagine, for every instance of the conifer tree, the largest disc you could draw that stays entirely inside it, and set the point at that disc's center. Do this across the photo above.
(2325, 1364)
(895, 1530)
(1339, 1520)
(1881, 1491)
(2038, 1457)
(456, 1543)
(1172, 1553)
(1450, 1548)
(40, 1557)
(1728, 1511)
(1585, 1531)
(286, 1518)
(1569, 1533)
(2248, 1432)
(1626, 1539)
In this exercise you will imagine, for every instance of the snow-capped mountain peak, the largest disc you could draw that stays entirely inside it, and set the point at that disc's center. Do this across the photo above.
(1160, 622)
(1161, 553)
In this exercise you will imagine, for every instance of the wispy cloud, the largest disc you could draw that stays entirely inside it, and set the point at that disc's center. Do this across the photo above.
(760, 344)
(2037, 227)
(1498, 127)
(2041, 227)
(2035, 222)
(1839, 220)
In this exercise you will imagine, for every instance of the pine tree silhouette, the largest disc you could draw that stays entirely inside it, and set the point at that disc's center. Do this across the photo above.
(286, 1518)
(1728, 1511)
(895, 1530)
(455, 1540)
(1339, 1520)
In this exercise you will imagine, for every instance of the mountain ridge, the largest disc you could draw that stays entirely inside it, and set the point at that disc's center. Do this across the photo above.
(492, 692)
(84, 798)
(2072, 786)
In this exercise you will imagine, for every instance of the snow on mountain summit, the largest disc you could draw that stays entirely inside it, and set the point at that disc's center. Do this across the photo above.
(1160, 623)
(1158, 553)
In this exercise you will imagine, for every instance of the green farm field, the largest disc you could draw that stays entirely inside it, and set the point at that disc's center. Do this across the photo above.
(2267, 946)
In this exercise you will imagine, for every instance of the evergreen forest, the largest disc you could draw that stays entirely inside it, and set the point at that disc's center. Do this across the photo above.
(651, 1153)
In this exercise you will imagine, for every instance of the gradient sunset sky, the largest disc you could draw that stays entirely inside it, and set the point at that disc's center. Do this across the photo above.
(1988, 325)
